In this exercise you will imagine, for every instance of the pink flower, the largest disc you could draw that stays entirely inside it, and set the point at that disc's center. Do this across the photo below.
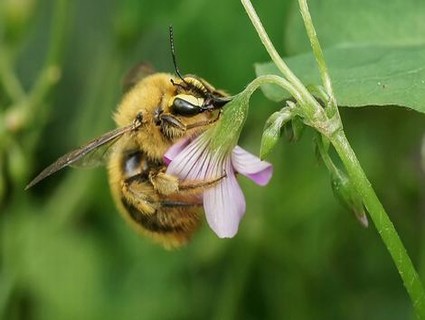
(224, 202)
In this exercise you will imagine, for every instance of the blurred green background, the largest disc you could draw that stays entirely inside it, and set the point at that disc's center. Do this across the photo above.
(65, 253)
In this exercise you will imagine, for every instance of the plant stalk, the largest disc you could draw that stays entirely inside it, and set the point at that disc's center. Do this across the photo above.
(382, 223)
(332, 129)
(311, 106)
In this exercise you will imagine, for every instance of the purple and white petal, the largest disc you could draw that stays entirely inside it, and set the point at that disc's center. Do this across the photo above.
(251, 166)
(224, 204)
(175, 149)
(188, 164)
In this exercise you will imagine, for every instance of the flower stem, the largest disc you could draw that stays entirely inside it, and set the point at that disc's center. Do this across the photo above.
(317, 50)
(311, 106)
(359, 180)
(330, 126)
(271, 79)
(228, 129)
(382, 223)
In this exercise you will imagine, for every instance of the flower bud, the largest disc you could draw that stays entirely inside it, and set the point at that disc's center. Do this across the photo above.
(272, 130)
(347, 195)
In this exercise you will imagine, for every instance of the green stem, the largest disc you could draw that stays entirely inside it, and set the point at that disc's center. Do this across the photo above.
(324, 154)
(382, 223)
(358, 178)
(8, 78)
(311, 108)
(332, 129)
(51, 70)
(318, 53)
(227, 131)
(271, 79)
(25, 107)
(282, 66)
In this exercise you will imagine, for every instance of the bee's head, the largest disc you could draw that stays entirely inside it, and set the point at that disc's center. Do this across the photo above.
(194, 96)
(193, 105)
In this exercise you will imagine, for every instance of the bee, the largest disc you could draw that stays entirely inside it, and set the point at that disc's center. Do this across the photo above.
(155, 112)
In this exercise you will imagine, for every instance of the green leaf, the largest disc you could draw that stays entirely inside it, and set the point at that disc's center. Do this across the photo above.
(363, 75)
(396, 22)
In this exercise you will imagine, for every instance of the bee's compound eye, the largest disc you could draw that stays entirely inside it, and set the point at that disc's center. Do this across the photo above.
(186, 105)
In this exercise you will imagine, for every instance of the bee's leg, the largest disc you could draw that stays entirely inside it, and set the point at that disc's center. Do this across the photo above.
(170, 220)
(203, 123)
(140, 194)
(137, 195)
(180, 204)
(164, 183)
(172, 121)
(167, 184)
(193, 186)
(175, 122)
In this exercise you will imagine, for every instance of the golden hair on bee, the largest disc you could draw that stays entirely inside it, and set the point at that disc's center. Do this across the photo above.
(155, 203)
(155, 112)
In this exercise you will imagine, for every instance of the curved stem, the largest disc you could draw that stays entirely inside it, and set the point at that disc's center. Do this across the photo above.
(382, 222)
(281, 65)
(331, 127)
(272, 79)
(317, 50)
(228, 130)
(311, 107)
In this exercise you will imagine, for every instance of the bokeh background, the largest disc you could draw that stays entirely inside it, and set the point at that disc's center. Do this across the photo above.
(65, 253)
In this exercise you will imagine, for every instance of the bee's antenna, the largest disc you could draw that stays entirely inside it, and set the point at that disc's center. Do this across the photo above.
(173, 53)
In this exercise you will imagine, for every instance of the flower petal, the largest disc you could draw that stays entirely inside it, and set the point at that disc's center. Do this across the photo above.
(192, 162)
(175, 149)
(224, 205)
(251, 166)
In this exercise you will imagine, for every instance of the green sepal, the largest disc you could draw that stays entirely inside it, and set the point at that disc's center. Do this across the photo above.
(297, 129)
(347, 195)
(322, 145)
(272, 130)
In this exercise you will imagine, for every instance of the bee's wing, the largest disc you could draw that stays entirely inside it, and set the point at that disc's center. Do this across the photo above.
(89, 154)
(135, 74)
(97, 157)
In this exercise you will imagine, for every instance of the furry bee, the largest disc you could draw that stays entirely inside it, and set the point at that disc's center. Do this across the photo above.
(154, 113)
